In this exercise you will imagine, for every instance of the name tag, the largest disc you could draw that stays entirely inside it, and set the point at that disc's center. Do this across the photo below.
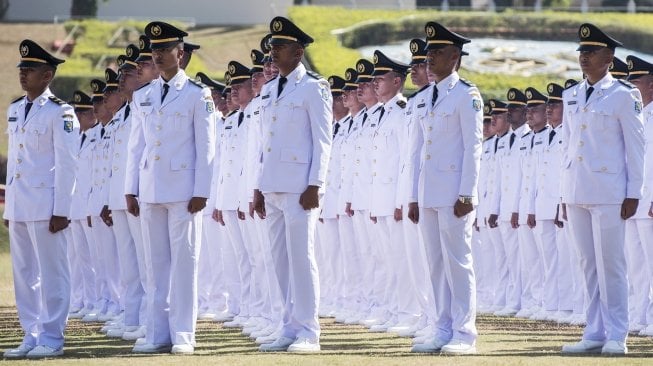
(265, 96)
(228, 127)
(255, 113)
(522, 148)
(13, 119)
(145, 104)
(421, 105)
(538, 143)
(500, 147)
(571, 102)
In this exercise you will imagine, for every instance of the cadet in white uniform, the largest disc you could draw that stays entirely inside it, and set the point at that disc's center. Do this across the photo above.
(171, 150)
(602, 187)
(442, 200)
(639, 229)
(296, 121)
(41, 130)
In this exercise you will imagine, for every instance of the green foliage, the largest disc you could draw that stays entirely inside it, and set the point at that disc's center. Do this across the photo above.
(338, 34)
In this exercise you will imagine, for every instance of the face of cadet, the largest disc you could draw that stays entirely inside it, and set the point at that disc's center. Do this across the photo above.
(386, 85)
(286, 56)
(112, 100)
(418, 74)
(128, 80)
(536, 116)
(86, 117)
(443, 60)
(516, 115)
(258, 80)
(147, 71)
(645, 86)
(500, 123)
(595, 63)
(167, 58)
(35, 78)
(365, 93)
(220, 102)
(241, 93)
(554, 113)
(270, 71)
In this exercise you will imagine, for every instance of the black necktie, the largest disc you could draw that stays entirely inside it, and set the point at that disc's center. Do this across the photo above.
(382, 113)
(336, 127)
(127, 110)
(435, 95)
(496, 144)
(165, 92)
(512, 138)
(532, 141)
(351, 122)
(551, 134)
(102, 132)
(241, 115)
(28, 106)
(588, 93)
(83, 139)
(282, 82)
(364, 119)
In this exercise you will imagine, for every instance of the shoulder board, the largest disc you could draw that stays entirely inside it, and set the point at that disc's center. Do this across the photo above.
(17, 99)
(56, 100)
(314, 75)
(412, 95)
(197, 83)
(627, 84)
(467, 82)
(570, 86)
(144, 85)
(401, 104)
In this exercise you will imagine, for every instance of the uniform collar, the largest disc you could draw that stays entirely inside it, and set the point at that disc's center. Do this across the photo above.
(448, 83)
(297, 74)
(177, 81)
(41, 99)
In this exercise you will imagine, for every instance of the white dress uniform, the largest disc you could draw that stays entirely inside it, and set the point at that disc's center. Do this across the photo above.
(385, 154)
(171, 149)
(532, 273)
(351, 253)
(126, 227)
(449, 165)
(639, 239)
(108, 269)
(332, 280)
(509, 184)
(595, 181)
(84, 250)
(39, 186)
(231, 153)
(296, 145)
(374, 273)
(547, 178)
(408, 173)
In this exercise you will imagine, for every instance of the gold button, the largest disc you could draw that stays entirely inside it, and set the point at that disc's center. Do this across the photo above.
(356, 174)
(22, 130)
(20, 145)
(604, 169)
(177, 114)
(374, 161)
(228, 175)
(120, 141)
(183, 166)
(432, 114)
(428, 142)
(580, 158)
(452, 166)
(158, 127)
(374, 174)
(375, 147)
(430, 128)
(581, 143)
(294, 158)
(276, 104)
(17, 175)
(19, 160)
(158, 143)
(160, 113)
(117, 155)
(274, 118)
(42, 184)
(231, 161)
(428, 157)
(271, 133)
(583, 126)
(269, 149)
(157, 157)
(115, 168)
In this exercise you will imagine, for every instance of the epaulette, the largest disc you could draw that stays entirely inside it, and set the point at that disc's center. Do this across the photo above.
(56, 100)
(467, 82)
(17, 99)
(314, 75)
(401, 103)
(627, 84)
(197, 83)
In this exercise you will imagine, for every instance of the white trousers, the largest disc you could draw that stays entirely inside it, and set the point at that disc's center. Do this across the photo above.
(329, 262)
(41, 281)
(420, 280)
(502, 274)
(639, 251)
(213, 282)
(258, 292)
(598, 231)
(510, 240)
(567, 275)
(83, 261)
(532, 270)
(76, 284)
(108, 266)
(447, 239)
(174, 237)
(545, 237)
(292, 236)
(274, 308)
(243, 262)
(483, 252)
(130, 277)
(352, 267)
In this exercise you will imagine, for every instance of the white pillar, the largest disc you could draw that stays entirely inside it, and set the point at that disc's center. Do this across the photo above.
(445, 5)
(584, 6)
(632, 7)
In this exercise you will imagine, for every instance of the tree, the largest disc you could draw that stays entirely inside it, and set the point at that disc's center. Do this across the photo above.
(84, 8)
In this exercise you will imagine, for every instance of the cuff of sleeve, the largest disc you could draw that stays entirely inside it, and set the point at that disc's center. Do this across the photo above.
(316, 183)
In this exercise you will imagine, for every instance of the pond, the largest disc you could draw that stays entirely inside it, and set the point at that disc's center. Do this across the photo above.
(511, 56)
